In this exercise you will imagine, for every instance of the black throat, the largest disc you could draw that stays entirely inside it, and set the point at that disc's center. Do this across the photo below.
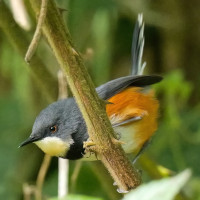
(76, 150)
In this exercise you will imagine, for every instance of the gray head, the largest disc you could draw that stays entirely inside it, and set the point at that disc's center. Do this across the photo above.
(54, 126)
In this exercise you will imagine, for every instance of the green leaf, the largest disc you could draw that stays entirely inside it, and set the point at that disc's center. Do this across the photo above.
(165, 189)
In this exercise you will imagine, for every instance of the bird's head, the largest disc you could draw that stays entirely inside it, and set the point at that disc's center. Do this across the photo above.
(53, 128)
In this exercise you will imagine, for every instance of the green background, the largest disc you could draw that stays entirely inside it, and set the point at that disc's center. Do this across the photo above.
(102, 32)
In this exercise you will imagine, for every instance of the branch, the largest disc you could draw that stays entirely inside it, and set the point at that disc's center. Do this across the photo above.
(75, 174)
(91, 107)
(37, 35)
(63, 164)
(41, 176)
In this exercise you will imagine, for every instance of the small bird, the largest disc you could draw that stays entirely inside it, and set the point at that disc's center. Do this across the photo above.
(60, 130)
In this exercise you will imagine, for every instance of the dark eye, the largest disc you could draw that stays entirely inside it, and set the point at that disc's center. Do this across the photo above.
(53, 129)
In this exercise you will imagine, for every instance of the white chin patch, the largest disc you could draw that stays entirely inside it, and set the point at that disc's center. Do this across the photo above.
(54, 146)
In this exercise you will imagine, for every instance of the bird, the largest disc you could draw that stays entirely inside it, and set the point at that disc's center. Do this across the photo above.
(132, 108)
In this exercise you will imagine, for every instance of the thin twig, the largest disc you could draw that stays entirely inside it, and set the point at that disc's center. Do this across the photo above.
(75, 174)
(63, 174)
(28, 191)
(63, 164)
(37, 35)
(41, 176)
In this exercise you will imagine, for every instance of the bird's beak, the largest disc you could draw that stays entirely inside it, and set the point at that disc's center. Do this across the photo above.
(29, 140)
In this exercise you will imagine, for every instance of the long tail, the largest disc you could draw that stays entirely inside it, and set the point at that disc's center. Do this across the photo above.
(137, 47)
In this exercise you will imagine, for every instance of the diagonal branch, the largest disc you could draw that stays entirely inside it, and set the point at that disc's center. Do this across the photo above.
(41, 176)
(92, 108)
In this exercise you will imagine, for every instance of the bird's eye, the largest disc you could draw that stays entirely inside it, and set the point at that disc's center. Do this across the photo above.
(53, 129)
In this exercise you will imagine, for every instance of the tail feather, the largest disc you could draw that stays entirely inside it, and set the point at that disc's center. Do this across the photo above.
(137, 47)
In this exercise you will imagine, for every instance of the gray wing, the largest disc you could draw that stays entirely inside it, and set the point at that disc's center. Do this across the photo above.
(113, 87)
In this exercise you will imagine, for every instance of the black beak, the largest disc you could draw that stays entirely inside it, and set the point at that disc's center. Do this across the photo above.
(28, 141)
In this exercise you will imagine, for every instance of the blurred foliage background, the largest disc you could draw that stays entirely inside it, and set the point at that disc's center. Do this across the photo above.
(102, 32)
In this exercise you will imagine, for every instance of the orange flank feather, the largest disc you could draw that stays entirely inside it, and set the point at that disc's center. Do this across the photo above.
(130, 103)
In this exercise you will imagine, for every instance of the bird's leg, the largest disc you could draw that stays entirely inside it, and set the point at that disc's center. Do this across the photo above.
(117, 142)
(141, 151)
(89, 145)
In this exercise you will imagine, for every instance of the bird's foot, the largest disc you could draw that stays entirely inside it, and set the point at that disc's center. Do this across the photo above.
(116, 141)
(89, 146)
